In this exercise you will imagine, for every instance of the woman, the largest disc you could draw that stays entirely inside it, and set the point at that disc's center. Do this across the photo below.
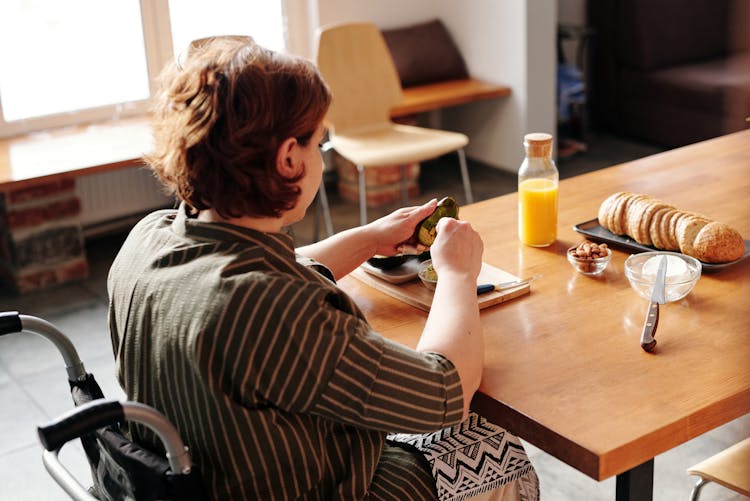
(270, 372)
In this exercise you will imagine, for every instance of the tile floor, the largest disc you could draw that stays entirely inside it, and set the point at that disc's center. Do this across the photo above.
(33, 385)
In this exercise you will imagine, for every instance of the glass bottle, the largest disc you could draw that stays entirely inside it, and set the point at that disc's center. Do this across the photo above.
(537, 192)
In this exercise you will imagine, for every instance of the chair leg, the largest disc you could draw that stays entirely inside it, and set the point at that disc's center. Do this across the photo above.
(325, 209)
(697, 489)
(465, 176)
(404, 186)
(316, 220)
(362, 196)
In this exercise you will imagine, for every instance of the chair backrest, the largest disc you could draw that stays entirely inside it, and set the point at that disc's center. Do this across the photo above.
(355, 61)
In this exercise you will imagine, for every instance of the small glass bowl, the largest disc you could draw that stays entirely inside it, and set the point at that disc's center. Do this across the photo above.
(427, 274)
(588, 266)
(683, 273)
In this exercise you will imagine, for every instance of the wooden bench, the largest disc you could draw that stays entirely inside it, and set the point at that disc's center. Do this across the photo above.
(438, 95)
(71, 152)
(38, 174)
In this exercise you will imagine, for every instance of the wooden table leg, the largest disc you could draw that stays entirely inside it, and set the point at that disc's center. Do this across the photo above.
(636, 483)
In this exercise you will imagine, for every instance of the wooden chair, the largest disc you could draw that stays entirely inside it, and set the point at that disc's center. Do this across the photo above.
(729, 468)
(355, 61)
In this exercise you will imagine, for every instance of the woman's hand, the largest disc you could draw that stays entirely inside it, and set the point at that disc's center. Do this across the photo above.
(394, 233)
(458, 248)
(387, 236)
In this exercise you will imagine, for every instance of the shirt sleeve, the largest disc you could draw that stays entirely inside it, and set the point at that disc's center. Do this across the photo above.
(298, 347)
(384, 385)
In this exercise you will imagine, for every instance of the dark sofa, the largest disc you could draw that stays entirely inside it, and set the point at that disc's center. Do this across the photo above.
(670, 72)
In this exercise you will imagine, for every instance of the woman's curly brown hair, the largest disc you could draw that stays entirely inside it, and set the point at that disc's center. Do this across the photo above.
(220, 118)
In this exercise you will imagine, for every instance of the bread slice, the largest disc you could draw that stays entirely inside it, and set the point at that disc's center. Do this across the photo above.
(687, 229)
(618, 216)
(644, 226)
(655, 226)
(718, 243)
(666, 232)
(606, 209)
(673, 230)
(635, 211)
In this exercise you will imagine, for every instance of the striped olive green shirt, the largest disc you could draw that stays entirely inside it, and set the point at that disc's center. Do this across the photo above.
(271, 374)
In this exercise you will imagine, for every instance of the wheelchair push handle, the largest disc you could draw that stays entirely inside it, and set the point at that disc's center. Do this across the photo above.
(96, 414)
(12, 322)
(79, 421)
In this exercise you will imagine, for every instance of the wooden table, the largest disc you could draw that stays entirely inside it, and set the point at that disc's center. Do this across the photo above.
(564, 369)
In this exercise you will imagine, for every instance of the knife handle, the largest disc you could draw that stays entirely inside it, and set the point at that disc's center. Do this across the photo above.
(483, 288)
(648, 335)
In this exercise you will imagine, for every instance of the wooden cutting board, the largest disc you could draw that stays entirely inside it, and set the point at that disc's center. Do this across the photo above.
(416, 294)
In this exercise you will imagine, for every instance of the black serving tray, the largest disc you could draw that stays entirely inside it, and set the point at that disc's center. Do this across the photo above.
(597, 232)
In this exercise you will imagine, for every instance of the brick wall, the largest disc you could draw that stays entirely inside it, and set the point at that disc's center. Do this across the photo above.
(41, 242)
(383, 183)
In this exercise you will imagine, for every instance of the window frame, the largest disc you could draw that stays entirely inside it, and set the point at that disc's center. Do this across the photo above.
(157, 38)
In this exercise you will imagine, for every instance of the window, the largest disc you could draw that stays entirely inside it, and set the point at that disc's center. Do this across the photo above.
(78, 61)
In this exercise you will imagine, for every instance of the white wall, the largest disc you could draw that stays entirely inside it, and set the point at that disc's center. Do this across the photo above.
(511, 42)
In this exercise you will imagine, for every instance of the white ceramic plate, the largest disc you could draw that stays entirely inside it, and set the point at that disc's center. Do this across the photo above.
(404, 273)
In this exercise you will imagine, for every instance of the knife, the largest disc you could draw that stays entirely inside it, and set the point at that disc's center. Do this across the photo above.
(648, 340)
(512, 284)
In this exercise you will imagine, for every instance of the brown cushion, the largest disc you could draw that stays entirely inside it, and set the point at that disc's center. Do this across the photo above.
(654, 34)
(719, 86)
(425, 53)
(685, 104)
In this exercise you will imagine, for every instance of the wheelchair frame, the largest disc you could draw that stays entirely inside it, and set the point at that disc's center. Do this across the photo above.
(95, 421)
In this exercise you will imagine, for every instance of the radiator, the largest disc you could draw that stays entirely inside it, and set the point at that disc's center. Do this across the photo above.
(113, 201)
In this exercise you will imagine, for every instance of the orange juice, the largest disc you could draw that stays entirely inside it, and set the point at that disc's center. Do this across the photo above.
(537, 212)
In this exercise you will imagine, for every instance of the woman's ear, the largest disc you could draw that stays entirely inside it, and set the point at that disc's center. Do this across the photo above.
(287, 158)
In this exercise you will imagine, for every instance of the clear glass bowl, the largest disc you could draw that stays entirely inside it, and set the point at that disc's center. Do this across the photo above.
(589, 267)
(683, 273)
(427, 274)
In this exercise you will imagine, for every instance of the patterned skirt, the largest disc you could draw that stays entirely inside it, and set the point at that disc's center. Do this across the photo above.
(474, 457)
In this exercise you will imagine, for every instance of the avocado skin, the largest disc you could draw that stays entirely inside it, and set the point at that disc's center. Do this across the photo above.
(425, 231)
(389, 262)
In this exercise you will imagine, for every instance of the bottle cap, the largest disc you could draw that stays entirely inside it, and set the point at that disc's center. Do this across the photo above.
(538, 144)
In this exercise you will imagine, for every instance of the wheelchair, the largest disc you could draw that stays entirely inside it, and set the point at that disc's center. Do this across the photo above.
(120, 468)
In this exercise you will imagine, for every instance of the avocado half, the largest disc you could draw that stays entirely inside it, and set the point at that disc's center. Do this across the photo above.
(426, 230)
(389, 262)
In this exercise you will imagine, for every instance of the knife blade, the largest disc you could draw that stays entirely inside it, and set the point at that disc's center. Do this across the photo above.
(658, 296)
